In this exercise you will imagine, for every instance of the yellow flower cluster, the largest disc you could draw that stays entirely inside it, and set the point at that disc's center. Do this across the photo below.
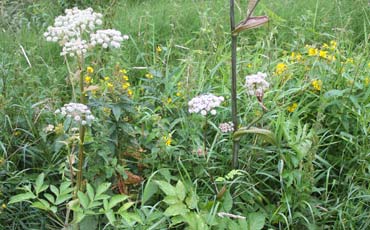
(326, 51)
(280, 68)
(167, 140)
(316, 84)
(149, 75)
(292, 107)
(296, 56)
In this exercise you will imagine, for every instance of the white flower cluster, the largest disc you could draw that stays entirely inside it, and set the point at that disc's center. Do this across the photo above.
(256, 84)
(49, 128)
(75, 46)
(79, 113)
(108, 38)
(71, 30)
(205, 104)
(226, 127)
(73, 25)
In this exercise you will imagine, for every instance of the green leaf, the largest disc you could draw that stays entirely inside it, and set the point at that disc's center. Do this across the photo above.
(90, 192)
(125, 206)
(89, 223)
(192, 200)
(111, 217)
(149, 190)
(167, 188)
(115, 200)
(54, 189)
(49, 197)
(180, 190)
(39, 183)
(84, 200)
(62, 198)
(176, 209)
(266, 134)
(65, 187)
(117, 111)
(256, 221)
(102, 188)
(171, 200)
(21, 197)
(227, 201)
(40, 205)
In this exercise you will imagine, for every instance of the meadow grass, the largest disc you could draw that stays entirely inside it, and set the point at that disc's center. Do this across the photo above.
(313, 176)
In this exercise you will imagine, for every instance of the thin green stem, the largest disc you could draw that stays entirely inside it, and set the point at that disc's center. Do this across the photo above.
(234, 40)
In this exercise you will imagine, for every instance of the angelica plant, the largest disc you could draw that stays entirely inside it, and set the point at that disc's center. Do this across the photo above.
(76, 32)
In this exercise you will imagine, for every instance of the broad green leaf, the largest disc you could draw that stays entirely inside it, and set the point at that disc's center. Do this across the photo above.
(180, 190)
(65, 187)
(39, 182)
(22, 197)
(171, 200)
(78, 217)
(176, 209)
(192, 200)
(117, 111)
(116, 199)
(227, 201)
(256, 221)
(84, 200)
(94, 204)
(111, 217)
(49, 197)
(167, 188)
(62, 198)
(54, 209)
(40, 205)
(89, 223)
(102, 188)
(149, 190)
(102, 197)
(125, 206)
(54, 189)
(90, 192)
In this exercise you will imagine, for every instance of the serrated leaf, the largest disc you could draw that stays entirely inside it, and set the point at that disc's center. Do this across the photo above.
(167, 188)
(116, 199)
(111, 217)
(21, 197)
(39, 183)
(90, 191)
(84, 200)
(40, 205)
(49, 197)
(180, 190)
(126, 206)
(55, 190)
(149, 190)
(176, 209)
(62, 198)
(102, 188)
(171, 200)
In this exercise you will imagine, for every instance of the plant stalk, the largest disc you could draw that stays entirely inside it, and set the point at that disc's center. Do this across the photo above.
(234, 40)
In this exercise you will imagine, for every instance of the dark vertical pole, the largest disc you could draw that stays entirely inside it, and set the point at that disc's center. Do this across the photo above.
(233, 84)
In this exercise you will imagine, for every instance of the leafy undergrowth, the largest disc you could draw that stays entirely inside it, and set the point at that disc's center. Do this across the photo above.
(152, 160)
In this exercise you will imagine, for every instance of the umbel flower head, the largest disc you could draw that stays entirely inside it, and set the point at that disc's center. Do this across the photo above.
(226, 127)
(256, 84)
(79, 113)
(205, 104)
(75, 31)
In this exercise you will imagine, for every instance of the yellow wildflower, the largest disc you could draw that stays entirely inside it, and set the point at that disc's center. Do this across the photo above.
(158, 49)
(87, 79)
(106, 78)
(178, 94)
(350, 60)
(317, 84)
(323, 54)
(325, 46)
(169, 100)
(4, 206)
(296, 56)
(312, 51)
(168, 140)
(109, 85)
(280, 68)
(292, 107)
(331, 58)
(149, 76)
(17, 133)
(125, 85)
(333, 44)
(124, 71)
(368, 64)
(129, 92)
(125, 77)
(367, 81)
(90, 69)
(249, 65)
